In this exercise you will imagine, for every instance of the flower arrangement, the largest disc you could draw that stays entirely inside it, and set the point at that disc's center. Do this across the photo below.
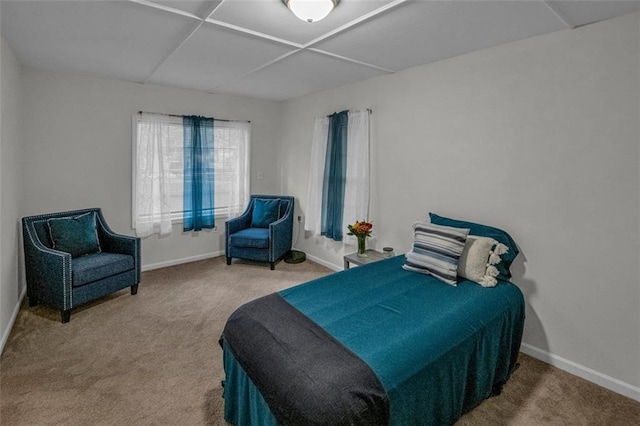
(361, 230)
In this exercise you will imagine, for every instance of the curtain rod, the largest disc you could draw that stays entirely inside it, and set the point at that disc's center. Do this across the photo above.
(369, 110)
(176, 115)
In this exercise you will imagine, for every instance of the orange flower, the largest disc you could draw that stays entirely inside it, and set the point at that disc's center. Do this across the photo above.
(360, 229)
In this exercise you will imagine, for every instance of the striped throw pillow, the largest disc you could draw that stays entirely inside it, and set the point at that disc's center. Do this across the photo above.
(436, 251)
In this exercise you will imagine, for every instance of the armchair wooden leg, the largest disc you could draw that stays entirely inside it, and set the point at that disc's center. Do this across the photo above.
(228, 261)
(65, 316)
(134, 289)
(272, 265)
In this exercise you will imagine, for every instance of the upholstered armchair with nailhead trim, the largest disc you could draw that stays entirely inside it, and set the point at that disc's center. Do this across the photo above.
(263, 232)
(74, 257)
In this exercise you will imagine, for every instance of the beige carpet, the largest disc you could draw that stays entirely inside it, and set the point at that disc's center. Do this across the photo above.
(153, 359)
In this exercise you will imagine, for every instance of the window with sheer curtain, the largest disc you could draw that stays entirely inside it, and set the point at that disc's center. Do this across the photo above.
(158, 171)
(338, 191)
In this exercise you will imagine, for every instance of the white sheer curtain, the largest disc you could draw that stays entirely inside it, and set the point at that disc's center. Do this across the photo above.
(356, 188)
(356, 194)
(152, 205)
(316, 175)
(231, 167)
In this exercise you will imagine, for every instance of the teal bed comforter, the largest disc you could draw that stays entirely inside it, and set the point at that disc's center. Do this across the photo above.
(438, 350)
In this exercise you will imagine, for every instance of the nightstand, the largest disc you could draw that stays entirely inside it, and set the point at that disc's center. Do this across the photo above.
(372, 256)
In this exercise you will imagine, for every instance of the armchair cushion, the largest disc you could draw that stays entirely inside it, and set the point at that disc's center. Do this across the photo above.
(76, 235)
(96, 266)
(265, 212)
(251, 238)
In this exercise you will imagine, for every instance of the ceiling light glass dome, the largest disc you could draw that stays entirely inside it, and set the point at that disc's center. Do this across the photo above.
(311, 10)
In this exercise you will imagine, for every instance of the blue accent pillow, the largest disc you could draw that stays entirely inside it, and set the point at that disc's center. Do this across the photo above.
(265, 212)
(76, 235)
(485, 231)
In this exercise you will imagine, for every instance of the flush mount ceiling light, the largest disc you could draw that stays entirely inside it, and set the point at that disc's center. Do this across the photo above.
(311, 10)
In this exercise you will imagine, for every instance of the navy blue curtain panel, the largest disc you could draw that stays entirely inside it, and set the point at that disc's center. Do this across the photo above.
(198, 173)
(335, 171)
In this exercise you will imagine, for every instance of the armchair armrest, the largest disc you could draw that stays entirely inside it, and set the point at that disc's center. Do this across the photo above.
(118, 243)
(238, 223)
(48, 272)
(280, 234)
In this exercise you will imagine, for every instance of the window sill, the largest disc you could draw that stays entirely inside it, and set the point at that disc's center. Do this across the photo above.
(179, 221)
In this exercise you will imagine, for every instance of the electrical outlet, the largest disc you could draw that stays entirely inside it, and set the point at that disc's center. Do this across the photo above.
(300, 218)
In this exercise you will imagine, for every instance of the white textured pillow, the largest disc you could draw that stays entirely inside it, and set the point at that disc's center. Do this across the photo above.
(478, 258)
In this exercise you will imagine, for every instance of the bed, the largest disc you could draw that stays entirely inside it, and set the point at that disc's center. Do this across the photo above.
(375, 344)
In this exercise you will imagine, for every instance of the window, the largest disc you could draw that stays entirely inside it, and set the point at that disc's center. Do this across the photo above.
(339, 183)
(158, 170)
(231, 166)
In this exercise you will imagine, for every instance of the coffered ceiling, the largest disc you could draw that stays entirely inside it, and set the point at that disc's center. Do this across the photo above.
(258, 48)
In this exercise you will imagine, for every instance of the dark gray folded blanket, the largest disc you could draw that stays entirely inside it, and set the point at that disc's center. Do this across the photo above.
(304, 374)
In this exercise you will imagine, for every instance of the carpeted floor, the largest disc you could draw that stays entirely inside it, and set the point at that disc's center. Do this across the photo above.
(153, 359)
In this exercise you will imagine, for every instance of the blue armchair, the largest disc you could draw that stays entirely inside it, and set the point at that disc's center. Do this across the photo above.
(65, 268)
(263, 232)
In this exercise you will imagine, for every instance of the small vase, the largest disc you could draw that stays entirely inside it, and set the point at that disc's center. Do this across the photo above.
(361, 246)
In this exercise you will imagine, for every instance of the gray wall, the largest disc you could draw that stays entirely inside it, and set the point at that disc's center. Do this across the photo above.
(11, 188)
(538, 137)
(74, 150)
(78, 150)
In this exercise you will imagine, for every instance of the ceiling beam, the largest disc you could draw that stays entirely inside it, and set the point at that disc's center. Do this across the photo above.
(308, 46)
(374, 13)
(253, 33)
(248, 73)
(236, 28)
(558, 14)
(214, 6)
(354, 61)
(166, 9)
(173, 52)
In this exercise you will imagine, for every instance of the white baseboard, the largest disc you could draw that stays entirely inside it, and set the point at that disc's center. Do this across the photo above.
(14, 315)
(324, 263)
(586, 373)
(608, 382)
(613, 384)
(180, 261)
